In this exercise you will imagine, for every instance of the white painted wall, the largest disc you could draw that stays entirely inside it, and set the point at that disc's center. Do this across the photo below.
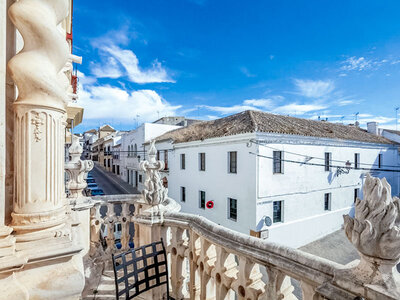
(391, 136)
(216, 181)
(301, 187)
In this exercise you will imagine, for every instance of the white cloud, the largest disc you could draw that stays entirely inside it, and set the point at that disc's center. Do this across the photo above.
(125, 62)
(354, 63)
(298, 109)
(314, 88)
(108, 69)
(225, 110)
(246, 72)
(262, 103)
(113, 103)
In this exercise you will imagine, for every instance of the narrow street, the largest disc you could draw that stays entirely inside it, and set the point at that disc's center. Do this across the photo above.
(110, 183)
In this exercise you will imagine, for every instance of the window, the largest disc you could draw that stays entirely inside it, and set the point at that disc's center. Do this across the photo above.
(327, 201)
(105, 162)
(380, 160)
(140, 178)
(183, 162)
(277, 162)
(202, 161)
(183, 194)
(232, 213)
(356, 160)
(109, 162)
(232, 162)
(356, 194)
(328, 161)
(166, 159)
(277, 216)
(202, 202)
(135, 150)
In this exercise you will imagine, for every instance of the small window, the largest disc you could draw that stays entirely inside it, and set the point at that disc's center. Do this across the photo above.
(232, 213)
(277, 216)
(166, 159)
(140, 178)
(202, 161)
(183, 194)
(277, 162)
(328, 161)
(232, 162)
(356, 160)
(327, 201)
(105, 162)
(183, 162)
(380, 160)
(356, 194)
(202, 202)
(158, 155)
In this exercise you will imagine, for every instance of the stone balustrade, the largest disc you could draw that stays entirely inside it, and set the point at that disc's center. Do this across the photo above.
(209, 261)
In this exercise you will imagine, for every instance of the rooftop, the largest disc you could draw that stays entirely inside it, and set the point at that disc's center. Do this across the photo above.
(255, 121)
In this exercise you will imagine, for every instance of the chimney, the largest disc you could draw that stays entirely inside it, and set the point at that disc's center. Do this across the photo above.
(372, 127)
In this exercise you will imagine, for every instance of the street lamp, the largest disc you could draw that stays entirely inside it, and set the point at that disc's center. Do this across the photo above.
(344, 170)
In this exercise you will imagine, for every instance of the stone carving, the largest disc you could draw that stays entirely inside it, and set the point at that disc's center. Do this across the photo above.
(375, 232)
(77, 169)
(37, 121)
(154, 192)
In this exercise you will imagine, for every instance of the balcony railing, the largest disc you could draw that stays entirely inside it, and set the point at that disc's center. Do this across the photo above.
(209, 261)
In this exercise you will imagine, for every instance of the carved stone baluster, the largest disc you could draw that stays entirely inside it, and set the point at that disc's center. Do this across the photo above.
(224, 273)
(248, 284)
(206, 262)
(278, 286)
(95, 226)
(110, 221)
(309, 291)
(125, 221)
(194, 252)
(177, 250)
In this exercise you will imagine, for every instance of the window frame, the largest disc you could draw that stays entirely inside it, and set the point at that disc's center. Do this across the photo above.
(232, 167)
(328, 161)
(357, 159)
(380, 160)
(275, 162)
(274, 220)
(201, 204)
(183, 161)
(232, 216)
(183, 194)
(202, 161)
(356, 194)
(328, 196)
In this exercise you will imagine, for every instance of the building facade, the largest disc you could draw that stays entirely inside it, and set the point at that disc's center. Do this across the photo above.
(291, 189)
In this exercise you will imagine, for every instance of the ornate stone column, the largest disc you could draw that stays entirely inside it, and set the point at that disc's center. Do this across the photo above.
(39, 122)
(375, 232)
(149, 214)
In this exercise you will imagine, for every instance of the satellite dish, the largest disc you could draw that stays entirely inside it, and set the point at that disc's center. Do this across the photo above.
(267, 221)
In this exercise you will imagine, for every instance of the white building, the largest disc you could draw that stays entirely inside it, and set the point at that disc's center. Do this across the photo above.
(280, 177)
(132, 150)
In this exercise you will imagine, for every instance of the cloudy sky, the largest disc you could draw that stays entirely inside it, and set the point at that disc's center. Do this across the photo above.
(211, 58)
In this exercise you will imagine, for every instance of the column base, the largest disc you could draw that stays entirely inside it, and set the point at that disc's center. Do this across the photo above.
(7, 242)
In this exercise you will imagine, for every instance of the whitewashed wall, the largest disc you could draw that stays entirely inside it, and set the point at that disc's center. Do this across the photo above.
(302, 187)
(216, 181)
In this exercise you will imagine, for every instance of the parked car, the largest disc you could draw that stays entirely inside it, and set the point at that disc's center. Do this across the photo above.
(97, 192)
(90, 180)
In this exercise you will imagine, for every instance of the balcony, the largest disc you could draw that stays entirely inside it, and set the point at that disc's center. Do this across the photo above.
(208, 261)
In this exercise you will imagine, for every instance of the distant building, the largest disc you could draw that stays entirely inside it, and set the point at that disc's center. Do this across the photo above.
(274, 176)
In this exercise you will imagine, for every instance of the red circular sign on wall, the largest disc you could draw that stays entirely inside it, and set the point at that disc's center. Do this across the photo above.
(210, 204)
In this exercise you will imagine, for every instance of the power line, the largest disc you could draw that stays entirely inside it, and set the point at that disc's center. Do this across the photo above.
(314, 157)
(323, 165)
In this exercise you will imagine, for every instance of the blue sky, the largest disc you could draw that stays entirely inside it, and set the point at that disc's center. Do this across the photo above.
(208, 58)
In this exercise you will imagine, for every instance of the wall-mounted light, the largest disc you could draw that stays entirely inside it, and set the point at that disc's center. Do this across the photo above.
(344, 170)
